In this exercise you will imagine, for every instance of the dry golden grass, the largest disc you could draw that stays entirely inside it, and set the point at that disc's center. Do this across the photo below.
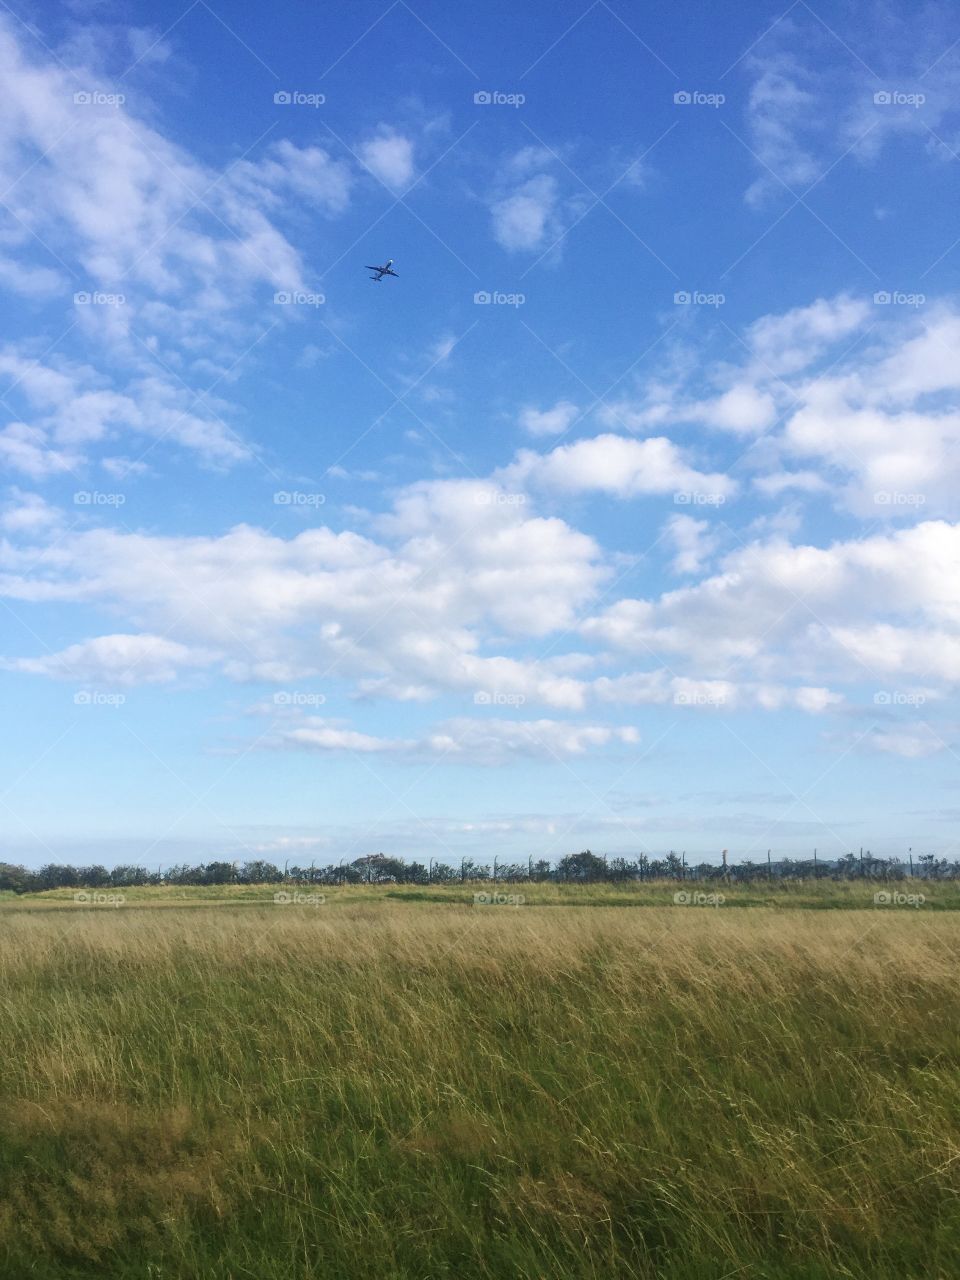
(396, 1088)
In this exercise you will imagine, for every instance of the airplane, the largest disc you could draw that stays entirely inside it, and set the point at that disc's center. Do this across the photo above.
(382, 271)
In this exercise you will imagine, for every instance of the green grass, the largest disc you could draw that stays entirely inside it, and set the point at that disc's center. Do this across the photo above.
(821, 894)
(387, 1086)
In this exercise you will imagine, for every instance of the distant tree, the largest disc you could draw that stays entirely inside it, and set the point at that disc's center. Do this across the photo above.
(673, 865)
(19, 879)
(582, 867)
(127, 876)
(214, 873)
(259, 872)
(58, 876)
(95, 877)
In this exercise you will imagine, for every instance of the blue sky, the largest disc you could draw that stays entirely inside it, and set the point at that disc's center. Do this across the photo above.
(624, 518)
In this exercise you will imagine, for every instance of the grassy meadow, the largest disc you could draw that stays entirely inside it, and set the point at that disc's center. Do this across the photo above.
(400, 1083)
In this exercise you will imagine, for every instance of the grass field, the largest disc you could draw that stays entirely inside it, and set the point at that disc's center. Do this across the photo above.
(398, 1083)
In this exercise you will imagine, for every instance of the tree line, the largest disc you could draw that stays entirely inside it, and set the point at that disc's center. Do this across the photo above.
(584, 868)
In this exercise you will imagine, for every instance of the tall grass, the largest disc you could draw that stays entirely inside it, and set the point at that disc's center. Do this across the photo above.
(387, 1088)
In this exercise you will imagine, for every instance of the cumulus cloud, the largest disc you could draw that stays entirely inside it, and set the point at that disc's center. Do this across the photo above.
(798, 609)
(617, 465)
(548, 422)
(122, 660)
(692, 541)
(389, 157)
(522, 221)
(463, 740)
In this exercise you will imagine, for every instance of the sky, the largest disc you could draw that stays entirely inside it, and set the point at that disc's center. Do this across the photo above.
(624, 518)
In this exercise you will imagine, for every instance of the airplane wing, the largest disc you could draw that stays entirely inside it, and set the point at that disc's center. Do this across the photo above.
(392, 273)
(373, 268)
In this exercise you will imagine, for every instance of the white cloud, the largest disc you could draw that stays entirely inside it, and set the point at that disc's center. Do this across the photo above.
(548, 422)
(118, 660)
(28, 513)
(798, 610)
(463, 740)
(70, 410)
(523, 220)
(692, 541)
(410, 611)
(26, 449)
(389, 156)
(617, 465)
